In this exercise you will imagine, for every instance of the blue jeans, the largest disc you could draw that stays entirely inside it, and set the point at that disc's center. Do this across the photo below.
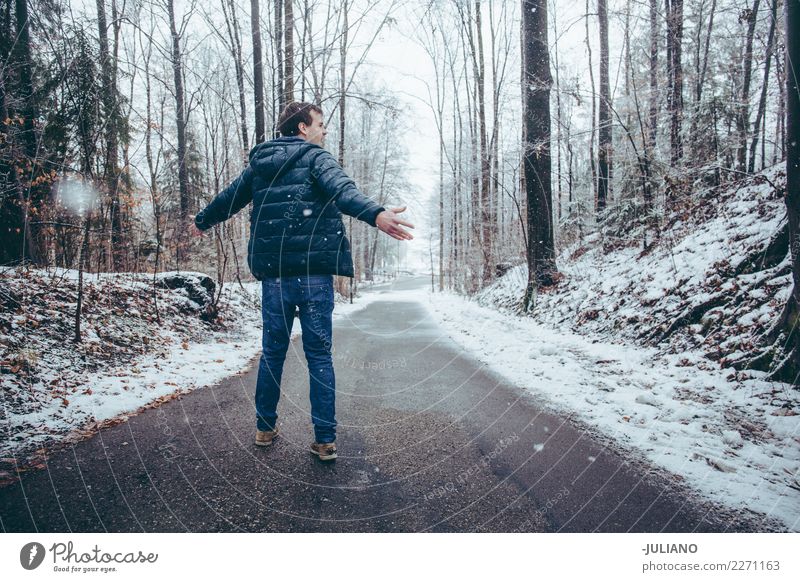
(280, 296)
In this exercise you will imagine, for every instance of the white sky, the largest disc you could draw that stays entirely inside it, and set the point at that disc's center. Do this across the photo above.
(404, 65)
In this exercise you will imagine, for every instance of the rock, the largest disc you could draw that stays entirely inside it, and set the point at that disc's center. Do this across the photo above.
(199, 287)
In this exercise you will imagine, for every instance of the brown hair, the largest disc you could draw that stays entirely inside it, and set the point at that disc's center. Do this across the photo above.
(293, 115)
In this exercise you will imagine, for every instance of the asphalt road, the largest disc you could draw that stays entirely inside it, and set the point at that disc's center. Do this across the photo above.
(429, 440)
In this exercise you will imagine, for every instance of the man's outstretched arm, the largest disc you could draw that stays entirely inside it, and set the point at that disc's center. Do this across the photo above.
(340, 189)
(228, 202)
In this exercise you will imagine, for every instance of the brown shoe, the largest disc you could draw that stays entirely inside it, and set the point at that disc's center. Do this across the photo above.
(264, 438)
(325, 451)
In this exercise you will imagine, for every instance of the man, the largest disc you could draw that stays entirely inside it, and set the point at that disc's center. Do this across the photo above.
(297, 244)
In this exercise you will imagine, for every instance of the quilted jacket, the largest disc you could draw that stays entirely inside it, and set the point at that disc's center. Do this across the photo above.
(299, 192)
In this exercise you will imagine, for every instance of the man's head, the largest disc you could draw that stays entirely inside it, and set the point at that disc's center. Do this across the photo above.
(303, 120)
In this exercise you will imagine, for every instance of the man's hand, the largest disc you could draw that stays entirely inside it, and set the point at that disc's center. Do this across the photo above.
(194, 230)
(388, 222)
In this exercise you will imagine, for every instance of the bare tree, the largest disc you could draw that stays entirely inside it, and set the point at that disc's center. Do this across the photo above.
(604, 134)
(487, 224)
(592, 161)
(701, 68)
(233, 42)
(111, 114)
(536, 143)
(762, 102)
(743, 111)
(784, 336)
(258, 71)
(674, 9)
(180, 107)
(652, 134)
(288, 52)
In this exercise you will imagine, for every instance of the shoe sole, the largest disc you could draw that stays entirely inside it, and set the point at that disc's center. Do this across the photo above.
(322, 457)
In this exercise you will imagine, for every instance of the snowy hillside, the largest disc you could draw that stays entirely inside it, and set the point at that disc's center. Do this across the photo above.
(713, 282)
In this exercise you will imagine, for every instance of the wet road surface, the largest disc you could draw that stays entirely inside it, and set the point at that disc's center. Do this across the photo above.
(429, 439)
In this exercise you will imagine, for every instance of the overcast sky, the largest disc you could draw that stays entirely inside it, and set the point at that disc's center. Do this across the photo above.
(404, 65)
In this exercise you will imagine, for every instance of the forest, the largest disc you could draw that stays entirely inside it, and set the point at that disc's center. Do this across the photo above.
(121, 119)
(593, 329)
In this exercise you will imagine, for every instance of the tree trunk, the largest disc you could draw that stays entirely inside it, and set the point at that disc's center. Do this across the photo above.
(82, 262)
(485, 166)
(652, 128)
(780, 125)
(288, 53)
(305, 48)
(604, 134)
(743, 113)
(762, 103)
(559, 120)
(342, 112)
(111, 170)
(536, 142)
(790, 368)
(13, 224)
(27, 244)
(258, 71)
(180, 116)
(280, 87)
(592, 161)
(675, 74)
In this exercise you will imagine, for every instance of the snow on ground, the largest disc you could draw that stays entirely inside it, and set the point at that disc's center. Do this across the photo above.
(728, 435)
(55, 391)
(640, 344)
(706, 285)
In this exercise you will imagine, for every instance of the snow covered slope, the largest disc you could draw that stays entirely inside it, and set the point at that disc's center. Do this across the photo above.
(708, 284)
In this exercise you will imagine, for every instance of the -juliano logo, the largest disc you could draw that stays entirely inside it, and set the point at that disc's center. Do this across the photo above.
(31, 555)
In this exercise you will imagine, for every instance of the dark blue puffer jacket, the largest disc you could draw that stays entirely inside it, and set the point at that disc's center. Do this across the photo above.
(299, 192)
